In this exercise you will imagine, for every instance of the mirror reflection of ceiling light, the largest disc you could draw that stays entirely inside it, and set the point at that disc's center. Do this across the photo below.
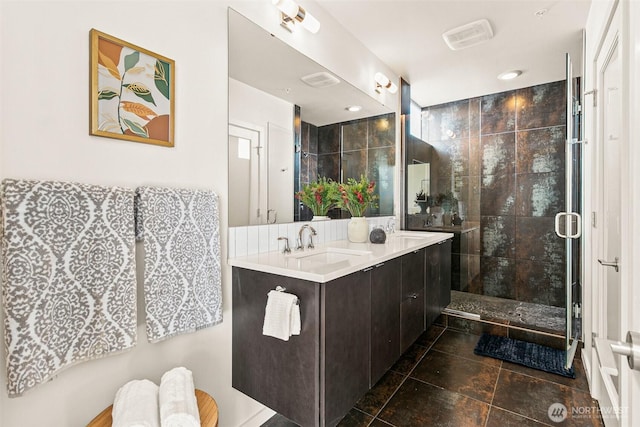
(353, 108)
(383, 81)
(509, 75)
(292, 13)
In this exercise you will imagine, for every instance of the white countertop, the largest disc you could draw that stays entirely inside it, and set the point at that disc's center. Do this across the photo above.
(338, 258)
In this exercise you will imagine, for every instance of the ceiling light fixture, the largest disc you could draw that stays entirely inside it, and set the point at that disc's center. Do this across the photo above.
(383, 81)
(509, 75)
(353, 108)
(290, 12)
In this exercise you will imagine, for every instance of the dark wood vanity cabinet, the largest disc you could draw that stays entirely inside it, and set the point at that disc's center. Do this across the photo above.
(353, 329)
(316, 377)
(438, 280)
(283, 375)
(412, 306)
(344, 344)
(385, 317)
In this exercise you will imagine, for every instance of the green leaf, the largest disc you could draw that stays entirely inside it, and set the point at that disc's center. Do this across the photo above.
(131, 60)
(106, 94)
(136, 128)
(141, 91)
(162, 77)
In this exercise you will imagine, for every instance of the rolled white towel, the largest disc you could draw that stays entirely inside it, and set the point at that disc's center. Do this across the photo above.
(177, 397)
(136, 405)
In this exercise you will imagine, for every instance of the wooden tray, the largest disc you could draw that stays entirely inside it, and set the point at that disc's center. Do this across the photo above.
(206, 406)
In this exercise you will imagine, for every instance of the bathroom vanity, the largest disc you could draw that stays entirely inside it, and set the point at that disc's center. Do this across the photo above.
(362, 305)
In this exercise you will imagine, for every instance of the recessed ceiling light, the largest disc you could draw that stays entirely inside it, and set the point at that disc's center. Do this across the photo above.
(353, 108)
(508, 75)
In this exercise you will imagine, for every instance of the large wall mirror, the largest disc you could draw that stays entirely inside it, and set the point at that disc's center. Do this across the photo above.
(289, 124)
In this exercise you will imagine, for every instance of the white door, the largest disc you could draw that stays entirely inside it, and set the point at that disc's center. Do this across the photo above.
(280, 178)
(247, 189)
(614, 384)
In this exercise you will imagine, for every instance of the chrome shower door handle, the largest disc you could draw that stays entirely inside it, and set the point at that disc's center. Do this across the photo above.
(613, 264)
(568, 225)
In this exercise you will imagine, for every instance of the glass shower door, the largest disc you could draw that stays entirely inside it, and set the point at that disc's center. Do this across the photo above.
(568, 224)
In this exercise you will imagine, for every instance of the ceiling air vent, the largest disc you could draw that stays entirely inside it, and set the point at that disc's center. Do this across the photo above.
(321, 79)
(468, 35)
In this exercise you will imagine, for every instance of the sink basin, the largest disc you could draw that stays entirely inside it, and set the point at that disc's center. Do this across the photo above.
(328, 255)
(410, 235)
(324, 260)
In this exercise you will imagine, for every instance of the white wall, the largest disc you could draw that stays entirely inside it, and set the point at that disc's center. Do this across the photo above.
(44, 135)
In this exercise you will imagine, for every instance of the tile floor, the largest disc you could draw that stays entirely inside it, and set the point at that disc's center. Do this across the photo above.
(440, 382)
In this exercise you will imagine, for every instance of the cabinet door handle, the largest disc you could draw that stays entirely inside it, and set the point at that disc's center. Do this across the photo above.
(379, 265)
(414, 296)
(368, 269)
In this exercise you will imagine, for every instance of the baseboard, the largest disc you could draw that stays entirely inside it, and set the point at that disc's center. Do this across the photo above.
(259, 418)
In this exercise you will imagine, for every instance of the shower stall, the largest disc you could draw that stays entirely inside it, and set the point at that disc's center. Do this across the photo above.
(502, 172)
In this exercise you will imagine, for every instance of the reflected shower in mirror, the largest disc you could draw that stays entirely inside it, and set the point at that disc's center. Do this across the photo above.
(289, 124)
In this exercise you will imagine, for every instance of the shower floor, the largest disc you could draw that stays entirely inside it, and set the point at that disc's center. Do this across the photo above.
(514, 314)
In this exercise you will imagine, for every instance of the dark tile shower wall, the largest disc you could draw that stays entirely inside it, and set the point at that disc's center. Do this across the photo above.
(365, 146)
(503, 156)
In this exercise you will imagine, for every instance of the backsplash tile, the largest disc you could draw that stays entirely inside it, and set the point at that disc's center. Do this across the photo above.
(254, 239)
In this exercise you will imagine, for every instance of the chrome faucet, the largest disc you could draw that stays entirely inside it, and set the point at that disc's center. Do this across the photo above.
(429, 220)
(391, 225)
(312, 231)
(287, 249)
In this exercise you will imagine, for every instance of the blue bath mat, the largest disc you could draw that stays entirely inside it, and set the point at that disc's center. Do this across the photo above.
(524, 353)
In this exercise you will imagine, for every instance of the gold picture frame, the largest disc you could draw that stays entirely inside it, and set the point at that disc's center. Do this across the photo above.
(132, 92)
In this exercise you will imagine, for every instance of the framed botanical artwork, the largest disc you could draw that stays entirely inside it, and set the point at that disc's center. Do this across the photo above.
(132, 92)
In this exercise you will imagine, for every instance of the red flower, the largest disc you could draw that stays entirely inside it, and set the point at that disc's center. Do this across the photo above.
(371, 187)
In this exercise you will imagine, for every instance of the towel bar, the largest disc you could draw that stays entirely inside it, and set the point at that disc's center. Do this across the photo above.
(207, 407)
(283, 289)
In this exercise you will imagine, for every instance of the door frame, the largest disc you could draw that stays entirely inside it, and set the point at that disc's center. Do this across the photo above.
(629, 40)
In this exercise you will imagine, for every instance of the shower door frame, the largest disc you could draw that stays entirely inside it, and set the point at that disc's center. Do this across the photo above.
(572, 216)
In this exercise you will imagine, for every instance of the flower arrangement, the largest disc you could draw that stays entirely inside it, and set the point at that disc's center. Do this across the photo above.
(357, 196)
(448, 201)
(319, 196)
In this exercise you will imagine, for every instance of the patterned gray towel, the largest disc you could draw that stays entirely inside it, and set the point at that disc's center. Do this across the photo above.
(69, 287)
(182, 279)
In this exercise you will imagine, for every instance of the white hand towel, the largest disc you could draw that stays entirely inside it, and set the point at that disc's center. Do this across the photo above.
(136, 405)
(295, 320)
(281, 316)
(178, 404)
